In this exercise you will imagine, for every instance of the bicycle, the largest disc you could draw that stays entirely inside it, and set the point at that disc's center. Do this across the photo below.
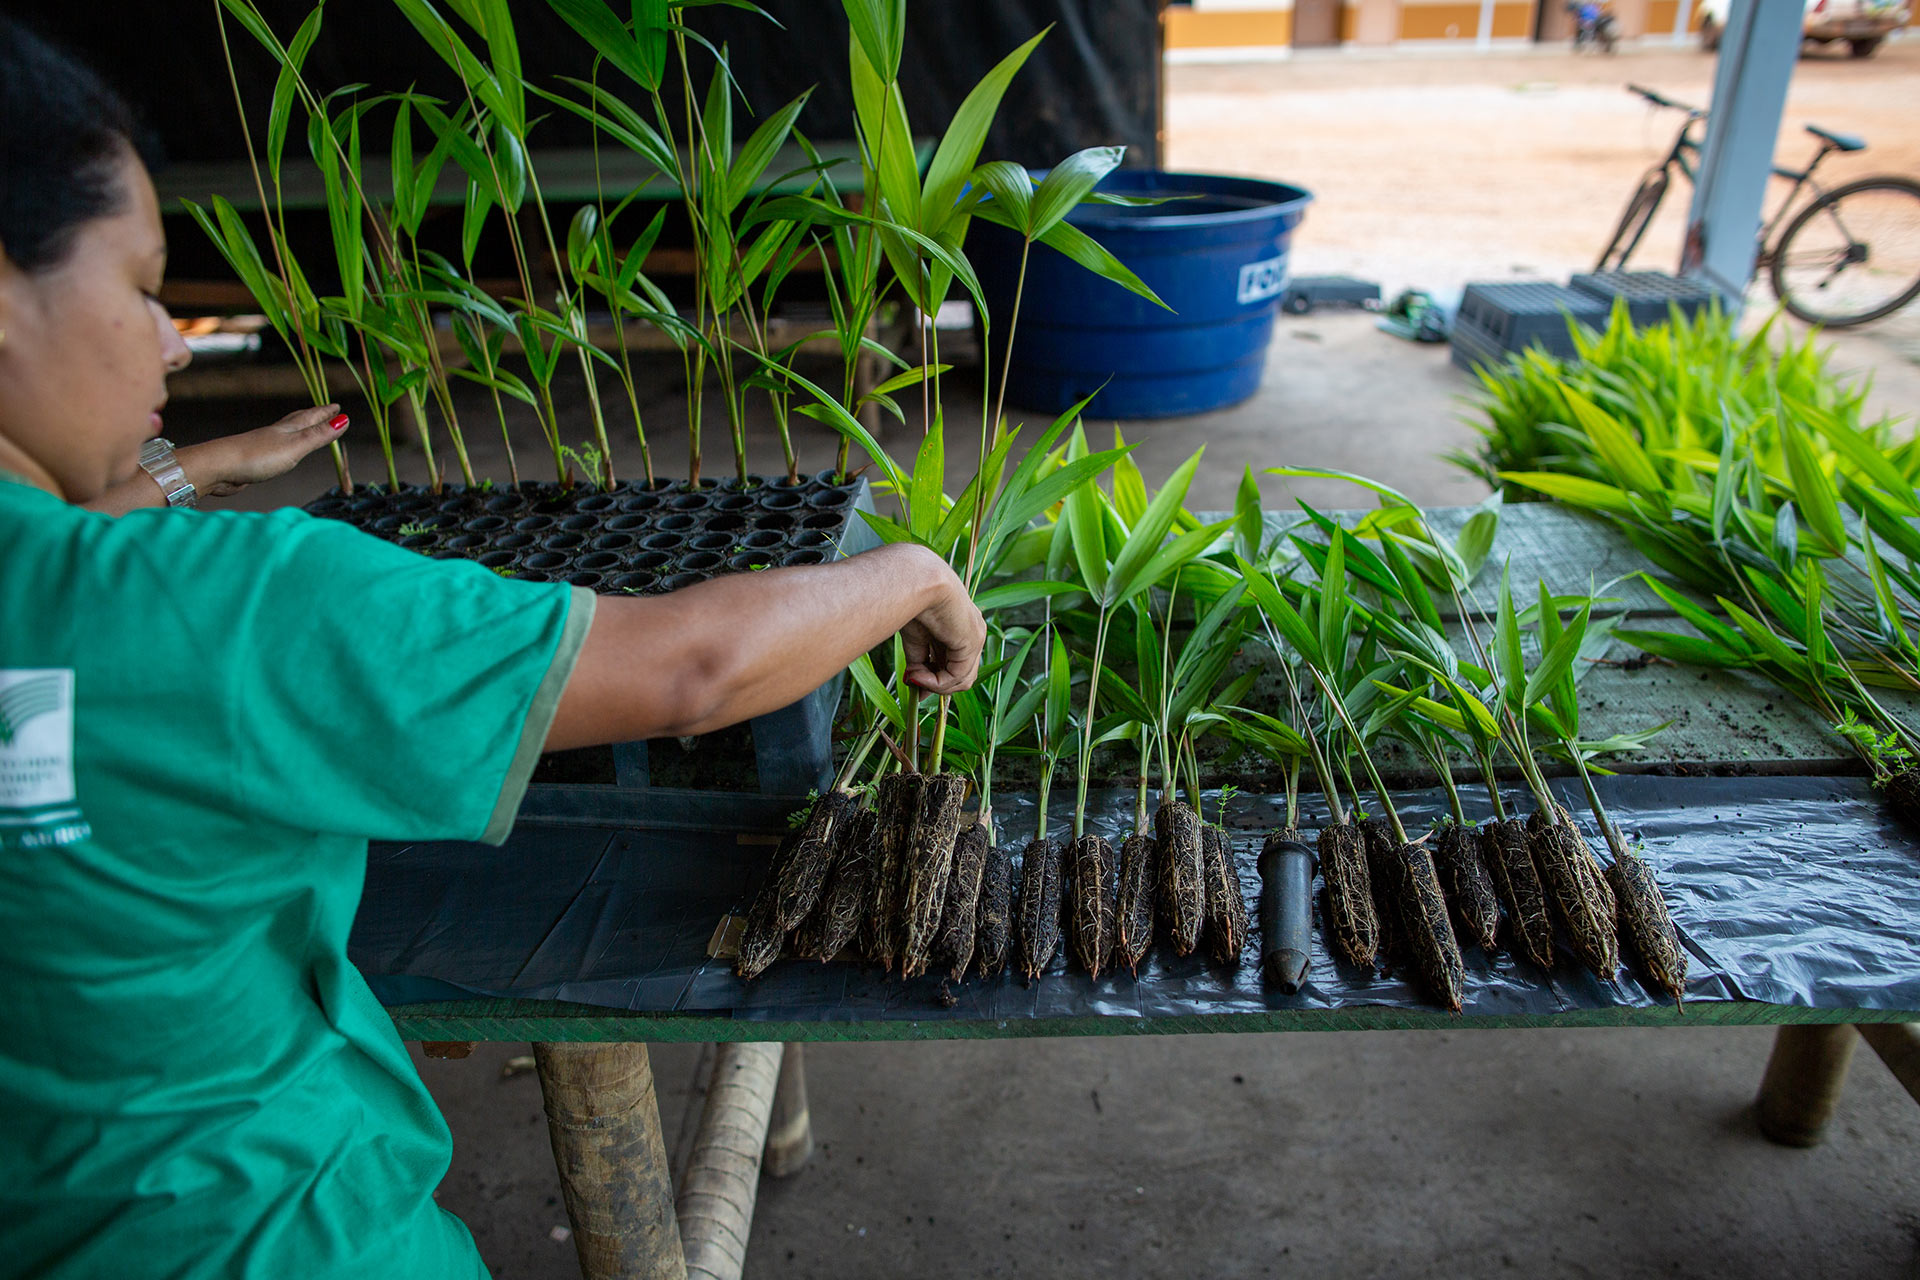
(1850, 256)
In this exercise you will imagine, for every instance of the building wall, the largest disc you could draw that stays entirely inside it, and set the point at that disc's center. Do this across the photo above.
(1222, 26)
(1230, 24)
(1460, 20)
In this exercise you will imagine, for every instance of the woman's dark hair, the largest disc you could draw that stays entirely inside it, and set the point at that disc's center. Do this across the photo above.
(62, 133)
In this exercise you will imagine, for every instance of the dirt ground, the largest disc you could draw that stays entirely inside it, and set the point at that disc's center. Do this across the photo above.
(1564, 1153)
(1434, 171)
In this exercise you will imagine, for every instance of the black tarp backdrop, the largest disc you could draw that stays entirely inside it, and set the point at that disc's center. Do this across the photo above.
(1094, 80)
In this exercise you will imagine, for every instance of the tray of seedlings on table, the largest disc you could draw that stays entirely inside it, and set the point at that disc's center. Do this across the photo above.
(412, 319)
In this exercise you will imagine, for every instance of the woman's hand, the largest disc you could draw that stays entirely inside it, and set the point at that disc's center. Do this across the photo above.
(221, 468)
(944, 642)
(231, 463)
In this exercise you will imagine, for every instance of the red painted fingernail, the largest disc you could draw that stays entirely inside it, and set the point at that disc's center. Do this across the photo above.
(339, 423)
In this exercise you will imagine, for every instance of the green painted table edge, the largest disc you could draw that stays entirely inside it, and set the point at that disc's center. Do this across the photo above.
(549, 1022)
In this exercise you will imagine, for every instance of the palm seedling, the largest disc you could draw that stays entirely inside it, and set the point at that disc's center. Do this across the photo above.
(1037, 931)
(1176, 689)
(1117, 561)
(1407, 902)
(1543, 697)
(283, 293)
(1351, 920)
(1407, 620)
(826, 848)
(1639, 912)
(988, 717)
(488, 138)
(383, 290)
(822, 885)
(619, 281)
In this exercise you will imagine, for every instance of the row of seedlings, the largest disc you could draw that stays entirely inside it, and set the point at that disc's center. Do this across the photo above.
(1367, 647)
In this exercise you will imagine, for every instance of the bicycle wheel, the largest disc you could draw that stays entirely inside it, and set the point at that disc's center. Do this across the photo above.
(1853, 255)
(1633, 223)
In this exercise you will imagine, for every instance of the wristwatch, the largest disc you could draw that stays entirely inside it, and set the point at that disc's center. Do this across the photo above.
(156, 456)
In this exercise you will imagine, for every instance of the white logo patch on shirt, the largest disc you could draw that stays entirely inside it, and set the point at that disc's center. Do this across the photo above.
(37, 797)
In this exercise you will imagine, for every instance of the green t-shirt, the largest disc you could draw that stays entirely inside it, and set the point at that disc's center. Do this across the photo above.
(203, 719)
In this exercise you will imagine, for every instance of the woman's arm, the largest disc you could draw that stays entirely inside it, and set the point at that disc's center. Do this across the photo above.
(739, 646)
(221, 468)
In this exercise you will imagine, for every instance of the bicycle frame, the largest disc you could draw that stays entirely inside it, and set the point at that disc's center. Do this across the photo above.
(1684, 155)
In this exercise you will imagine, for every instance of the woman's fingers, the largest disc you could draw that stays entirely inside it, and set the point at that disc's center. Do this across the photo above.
(257, 456)
(275, 450)
(943, 644)
(322, 423)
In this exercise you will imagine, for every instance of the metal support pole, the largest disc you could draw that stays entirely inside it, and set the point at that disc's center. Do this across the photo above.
(790, 1131)
(1803, 1082)
(604, 1120)
(1757, 56)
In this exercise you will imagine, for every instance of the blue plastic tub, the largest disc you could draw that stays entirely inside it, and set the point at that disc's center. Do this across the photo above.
(1218, 258)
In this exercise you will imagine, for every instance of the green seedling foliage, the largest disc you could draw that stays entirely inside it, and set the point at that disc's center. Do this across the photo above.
(1812, 489)
(638, 50)
(959, 150)
(1447, 565)
(501, 90)
(879, 33)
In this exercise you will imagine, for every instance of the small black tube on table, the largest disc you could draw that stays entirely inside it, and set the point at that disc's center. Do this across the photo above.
(1286, 912)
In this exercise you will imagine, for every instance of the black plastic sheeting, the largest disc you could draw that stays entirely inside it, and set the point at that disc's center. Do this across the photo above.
(1791, 891)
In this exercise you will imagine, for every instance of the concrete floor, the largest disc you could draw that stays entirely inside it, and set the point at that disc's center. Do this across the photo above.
(1565, 1153)
(1622, 1153)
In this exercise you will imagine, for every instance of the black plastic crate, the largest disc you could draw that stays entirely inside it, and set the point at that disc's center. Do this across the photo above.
(1497, 320)
(1649, 295)
(655, 539)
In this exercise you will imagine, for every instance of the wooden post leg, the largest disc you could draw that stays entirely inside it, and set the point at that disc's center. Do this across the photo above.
(723, 1177)
(1897, 1043)
(790, 1131)
(1803, 1082)
(604, 1120)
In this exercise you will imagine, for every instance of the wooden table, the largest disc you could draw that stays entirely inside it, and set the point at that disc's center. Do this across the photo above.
(604, 1118)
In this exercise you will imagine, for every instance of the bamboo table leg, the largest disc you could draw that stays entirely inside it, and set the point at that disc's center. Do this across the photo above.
(1898, 1044)
(790, 1131)
(604, 1120)
(1803, 1082)
(723, 1176)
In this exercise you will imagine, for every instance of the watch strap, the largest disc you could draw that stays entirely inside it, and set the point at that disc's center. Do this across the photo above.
(158, 460)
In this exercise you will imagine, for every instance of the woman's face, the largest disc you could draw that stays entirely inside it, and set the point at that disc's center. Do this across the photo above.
(85, 349)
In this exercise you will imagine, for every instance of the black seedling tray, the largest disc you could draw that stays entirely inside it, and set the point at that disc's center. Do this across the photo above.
(1649, 295)
(1497, 320)
(640, 539)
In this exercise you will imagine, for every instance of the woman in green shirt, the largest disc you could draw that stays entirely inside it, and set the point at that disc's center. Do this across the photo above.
(203, 719)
